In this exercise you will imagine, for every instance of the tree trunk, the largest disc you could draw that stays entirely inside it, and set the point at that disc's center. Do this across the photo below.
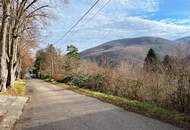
(3, 44)
(11, 74)
(18, 71)
(12, 65)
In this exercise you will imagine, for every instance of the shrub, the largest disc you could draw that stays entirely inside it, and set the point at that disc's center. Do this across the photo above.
(66, 80)
(47, 77)
(97, 82)
(80, 79)
(180, 98)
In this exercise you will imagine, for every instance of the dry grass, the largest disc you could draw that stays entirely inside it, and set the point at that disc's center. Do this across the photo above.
(17, 90)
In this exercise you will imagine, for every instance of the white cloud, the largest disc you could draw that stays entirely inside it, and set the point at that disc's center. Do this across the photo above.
(114, 22)
(145, 5)
(185, 21)
(130, 27)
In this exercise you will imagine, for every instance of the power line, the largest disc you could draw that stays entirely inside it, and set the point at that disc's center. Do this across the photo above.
(85, 14)
(91, 18)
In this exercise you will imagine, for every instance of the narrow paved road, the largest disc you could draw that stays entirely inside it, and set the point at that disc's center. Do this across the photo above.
(53, 108)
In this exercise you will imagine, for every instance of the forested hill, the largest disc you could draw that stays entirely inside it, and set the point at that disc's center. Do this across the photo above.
(130, 49)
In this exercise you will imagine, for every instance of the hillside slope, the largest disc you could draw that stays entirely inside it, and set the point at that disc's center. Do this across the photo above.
(185, 40)
(131, 49)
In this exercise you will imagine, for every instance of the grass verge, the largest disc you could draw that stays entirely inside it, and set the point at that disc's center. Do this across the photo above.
(20, 87)
(17, 90)
(147, 109)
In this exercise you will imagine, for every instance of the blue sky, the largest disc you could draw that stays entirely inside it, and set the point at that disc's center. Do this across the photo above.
(119, 19)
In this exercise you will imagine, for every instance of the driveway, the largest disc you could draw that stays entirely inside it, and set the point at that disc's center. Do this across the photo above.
(54, 108)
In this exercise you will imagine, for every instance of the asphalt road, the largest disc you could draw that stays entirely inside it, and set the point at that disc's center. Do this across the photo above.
(53, 108)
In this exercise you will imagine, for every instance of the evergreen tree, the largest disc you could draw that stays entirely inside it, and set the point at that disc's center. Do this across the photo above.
(73, 52)
(166, 60)
(39, 62)
(151, 61)
(167, 63)
(72, 58)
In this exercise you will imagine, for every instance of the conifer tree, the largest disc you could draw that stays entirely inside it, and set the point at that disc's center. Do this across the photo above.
(151, 61)
(73, 52)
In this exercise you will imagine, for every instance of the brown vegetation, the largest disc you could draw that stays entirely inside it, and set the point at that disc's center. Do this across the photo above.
(166, 84)
(1, 118)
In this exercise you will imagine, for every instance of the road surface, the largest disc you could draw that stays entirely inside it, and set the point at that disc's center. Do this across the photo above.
(53, 108)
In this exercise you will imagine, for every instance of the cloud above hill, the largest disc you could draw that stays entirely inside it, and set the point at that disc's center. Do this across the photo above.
(120, 19)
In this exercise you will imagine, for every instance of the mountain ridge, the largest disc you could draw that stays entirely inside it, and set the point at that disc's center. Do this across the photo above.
(129, 49)
(185, 40)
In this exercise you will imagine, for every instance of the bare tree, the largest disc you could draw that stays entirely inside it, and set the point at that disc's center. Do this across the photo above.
(19, 17)
(6, 4)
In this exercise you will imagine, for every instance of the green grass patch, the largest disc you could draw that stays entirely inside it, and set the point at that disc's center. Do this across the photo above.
(145, 108)
(17, 90)
(20, 87)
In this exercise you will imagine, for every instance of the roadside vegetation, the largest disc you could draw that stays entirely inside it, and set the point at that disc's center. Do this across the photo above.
(17, 90)
(160, 88)
(20, 87)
